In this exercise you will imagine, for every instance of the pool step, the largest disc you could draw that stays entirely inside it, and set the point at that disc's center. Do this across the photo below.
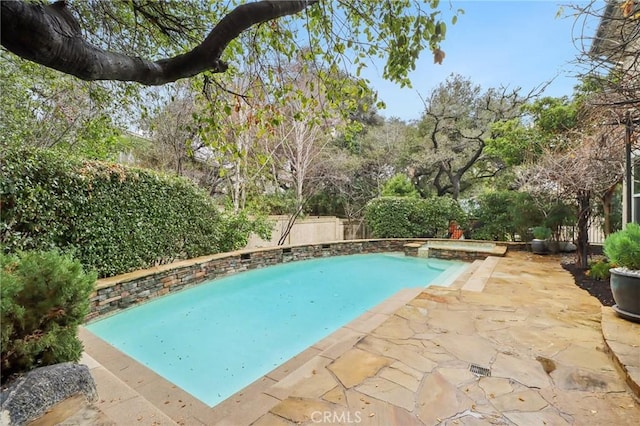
(481, 275)
(452, 274)
(468, 273)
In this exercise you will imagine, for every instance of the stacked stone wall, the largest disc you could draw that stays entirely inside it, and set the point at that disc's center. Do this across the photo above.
(123, 291)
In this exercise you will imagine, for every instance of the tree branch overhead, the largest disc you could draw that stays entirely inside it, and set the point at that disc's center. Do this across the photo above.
(51, 36)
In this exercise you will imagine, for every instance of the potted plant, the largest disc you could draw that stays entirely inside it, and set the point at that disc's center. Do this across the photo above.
(540, 236)
(623, 249)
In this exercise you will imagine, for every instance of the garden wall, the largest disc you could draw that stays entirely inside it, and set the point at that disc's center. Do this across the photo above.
(309, 230)
(122, 291)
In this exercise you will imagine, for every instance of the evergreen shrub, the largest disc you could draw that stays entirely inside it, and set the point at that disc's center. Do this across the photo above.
(44, 297)
(600, 270)
(623, 247)
(505, 215)
(408, 217)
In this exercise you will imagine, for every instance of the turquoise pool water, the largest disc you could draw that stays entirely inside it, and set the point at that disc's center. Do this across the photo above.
(214, 339)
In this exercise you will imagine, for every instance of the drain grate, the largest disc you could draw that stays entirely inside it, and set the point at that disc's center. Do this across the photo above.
(480, 371)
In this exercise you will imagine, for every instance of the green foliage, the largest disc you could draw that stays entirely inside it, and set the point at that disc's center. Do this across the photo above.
(514, 143)
(112, 218)
(448, 154)
(397, 31)
(326, 203)
(405, 217)
(42, 107)
(558, 215)
(600, 270)
(399, 186)
(553, 115)
(44, 297)
(277, 204)
(235, 229)
(623, 247)
(541, 232)
(504, 215)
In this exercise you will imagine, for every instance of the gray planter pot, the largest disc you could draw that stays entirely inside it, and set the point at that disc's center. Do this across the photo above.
(553, 246)
(539, 246)
(625, 286)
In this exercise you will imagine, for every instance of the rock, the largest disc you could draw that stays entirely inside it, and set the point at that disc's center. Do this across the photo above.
(31, 395)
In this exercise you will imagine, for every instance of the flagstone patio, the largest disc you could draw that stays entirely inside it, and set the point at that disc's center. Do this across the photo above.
(511, 342)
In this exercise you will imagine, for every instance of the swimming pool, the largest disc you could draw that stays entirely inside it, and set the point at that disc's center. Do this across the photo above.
(214, 339)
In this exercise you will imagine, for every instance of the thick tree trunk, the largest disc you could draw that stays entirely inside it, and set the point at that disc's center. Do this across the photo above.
(582, 243)
(607, 200)
(51, 36)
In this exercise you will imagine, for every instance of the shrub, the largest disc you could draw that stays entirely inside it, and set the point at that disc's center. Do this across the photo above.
(406, 217)
(399, 186)
(541, 233)
(114, 219)
(44, 297)
(600, 270)
(623, 247)
(505, 215)
(559, 214)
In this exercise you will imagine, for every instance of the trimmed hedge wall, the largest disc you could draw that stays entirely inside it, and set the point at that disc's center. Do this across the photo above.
(407, 217)
(112, 218)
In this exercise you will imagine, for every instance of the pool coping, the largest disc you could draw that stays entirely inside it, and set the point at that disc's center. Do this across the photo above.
(125, 382)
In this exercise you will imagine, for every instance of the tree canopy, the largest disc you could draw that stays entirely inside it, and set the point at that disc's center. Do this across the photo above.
(79, 38)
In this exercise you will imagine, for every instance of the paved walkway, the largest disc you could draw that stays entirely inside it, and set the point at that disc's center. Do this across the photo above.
(520, 344)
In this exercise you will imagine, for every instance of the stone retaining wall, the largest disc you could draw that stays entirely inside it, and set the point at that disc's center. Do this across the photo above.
(122, 291)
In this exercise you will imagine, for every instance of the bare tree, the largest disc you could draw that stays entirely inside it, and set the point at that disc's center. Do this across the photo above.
(172, 130)
(610, 57)
(308, 122)
(584, 169)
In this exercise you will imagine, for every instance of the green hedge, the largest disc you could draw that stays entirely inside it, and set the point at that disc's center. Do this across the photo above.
(503, 215)
(43, 298)
(407, 217)
(113, 219)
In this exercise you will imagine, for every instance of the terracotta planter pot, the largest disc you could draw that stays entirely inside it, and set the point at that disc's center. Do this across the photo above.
(625, 286)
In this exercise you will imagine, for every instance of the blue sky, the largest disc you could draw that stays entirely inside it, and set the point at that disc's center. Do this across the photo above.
(514, 43)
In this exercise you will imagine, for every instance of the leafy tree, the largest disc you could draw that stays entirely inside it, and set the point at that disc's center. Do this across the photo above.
(453, 133)
(543, 124)
(44, 109)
